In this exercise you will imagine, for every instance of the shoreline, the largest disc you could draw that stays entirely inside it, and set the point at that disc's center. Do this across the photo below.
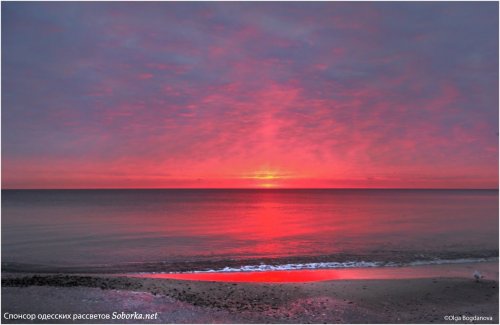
(413, 300)
(488, 270)
(199, 264)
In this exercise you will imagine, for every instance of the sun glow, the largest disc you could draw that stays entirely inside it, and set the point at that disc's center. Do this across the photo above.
(267, 178)
(264, 175)
(267, 174)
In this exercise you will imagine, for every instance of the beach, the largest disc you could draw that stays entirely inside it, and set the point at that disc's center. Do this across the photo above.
(123, 299)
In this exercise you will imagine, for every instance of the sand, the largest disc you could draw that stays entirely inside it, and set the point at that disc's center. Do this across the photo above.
(426, 300)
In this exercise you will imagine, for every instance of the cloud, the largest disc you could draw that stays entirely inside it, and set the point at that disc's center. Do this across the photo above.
(164, 94)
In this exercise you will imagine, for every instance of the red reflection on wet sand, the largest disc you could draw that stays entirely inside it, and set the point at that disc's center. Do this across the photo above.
(322, 275)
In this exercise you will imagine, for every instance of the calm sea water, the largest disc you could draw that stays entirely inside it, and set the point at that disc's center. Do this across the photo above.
(158, 228)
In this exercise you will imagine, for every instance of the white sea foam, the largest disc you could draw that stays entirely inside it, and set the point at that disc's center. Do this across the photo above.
(299, 266)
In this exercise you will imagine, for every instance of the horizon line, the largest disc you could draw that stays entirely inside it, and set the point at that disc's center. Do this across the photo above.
(249, 188)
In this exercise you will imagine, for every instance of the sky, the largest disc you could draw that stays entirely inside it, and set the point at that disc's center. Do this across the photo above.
(259, 95)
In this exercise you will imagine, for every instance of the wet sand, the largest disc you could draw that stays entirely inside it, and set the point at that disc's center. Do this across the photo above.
(488, 270)
(426, 300)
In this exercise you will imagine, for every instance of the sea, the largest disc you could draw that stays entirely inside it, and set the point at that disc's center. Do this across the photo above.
(227, 230)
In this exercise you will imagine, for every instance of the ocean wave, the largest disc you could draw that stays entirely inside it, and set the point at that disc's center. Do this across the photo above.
(341, 265)
(334, 261)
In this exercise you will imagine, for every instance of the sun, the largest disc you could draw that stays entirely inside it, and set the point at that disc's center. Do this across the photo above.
(265, 175)
(268, 185)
